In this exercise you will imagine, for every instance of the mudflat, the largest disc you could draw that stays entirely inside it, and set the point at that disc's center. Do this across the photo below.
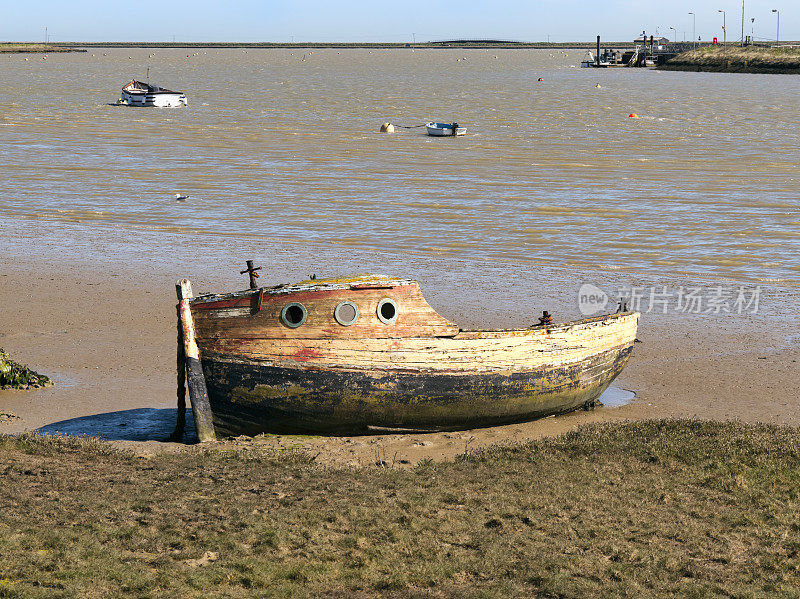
(105, 332)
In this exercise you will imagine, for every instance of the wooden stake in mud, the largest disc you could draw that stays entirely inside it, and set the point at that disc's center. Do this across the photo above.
(198, 395)
(180, 425)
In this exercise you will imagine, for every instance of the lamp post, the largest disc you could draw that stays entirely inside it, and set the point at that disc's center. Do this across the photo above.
(778, 29)
(694, 22)
(676, 33)
(724, 34)
(741, 42)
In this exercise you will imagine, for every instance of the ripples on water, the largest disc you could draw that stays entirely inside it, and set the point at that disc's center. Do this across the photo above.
(706, 181)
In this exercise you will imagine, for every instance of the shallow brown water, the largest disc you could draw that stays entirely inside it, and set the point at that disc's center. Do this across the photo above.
(705, 183)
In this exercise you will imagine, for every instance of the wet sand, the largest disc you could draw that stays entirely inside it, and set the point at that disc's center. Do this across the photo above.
(104, 331)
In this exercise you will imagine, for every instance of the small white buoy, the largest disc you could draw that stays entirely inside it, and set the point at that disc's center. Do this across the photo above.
(387, 128)
(180, 198)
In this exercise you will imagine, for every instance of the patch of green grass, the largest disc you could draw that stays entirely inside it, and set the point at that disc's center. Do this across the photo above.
(657, 508)
(17, 376)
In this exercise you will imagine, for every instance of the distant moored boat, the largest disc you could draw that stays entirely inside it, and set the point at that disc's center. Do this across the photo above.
(137, 93)
(444, 129)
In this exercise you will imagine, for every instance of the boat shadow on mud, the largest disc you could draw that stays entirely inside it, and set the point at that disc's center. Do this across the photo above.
(157, 424)
(141, 424)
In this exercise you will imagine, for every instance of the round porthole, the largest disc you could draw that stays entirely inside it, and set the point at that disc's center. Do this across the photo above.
(387, 311)
(346, 313)
(293, 315)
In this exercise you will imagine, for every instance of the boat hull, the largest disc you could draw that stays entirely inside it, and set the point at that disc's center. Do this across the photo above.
(250, 397)
(407, 369)
(443, 130)
(158, 100)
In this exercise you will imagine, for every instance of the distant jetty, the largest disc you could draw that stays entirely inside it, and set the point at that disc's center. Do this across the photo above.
(737, 59)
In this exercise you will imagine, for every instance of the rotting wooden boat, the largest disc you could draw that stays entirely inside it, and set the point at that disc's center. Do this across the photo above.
(138, 93)
(445, 129)
(369, 354)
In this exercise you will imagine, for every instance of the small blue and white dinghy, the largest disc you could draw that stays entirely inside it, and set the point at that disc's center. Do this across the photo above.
(444, 129)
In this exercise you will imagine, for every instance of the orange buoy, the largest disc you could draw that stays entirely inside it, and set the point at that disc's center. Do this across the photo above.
(633, 115)
(540, 79)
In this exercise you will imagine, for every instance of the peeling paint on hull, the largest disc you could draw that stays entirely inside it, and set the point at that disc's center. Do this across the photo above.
(413, 371)
(250, 398)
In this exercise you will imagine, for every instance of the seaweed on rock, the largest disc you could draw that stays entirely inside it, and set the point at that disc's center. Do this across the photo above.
(17, 376)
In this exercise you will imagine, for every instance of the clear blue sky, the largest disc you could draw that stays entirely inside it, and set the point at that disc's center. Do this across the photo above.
(358, 20)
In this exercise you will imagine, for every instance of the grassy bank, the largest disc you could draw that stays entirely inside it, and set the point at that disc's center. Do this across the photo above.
(735, 59)
(21, 48)
(649, 508)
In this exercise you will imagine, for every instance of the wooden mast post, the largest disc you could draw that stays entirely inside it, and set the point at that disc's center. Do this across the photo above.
(198, 394)
(597, 58)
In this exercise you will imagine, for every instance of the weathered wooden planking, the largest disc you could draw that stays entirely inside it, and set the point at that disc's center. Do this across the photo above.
(251, 397)
(180, 424)
(417, 373)
(468, 351)
(257, 314)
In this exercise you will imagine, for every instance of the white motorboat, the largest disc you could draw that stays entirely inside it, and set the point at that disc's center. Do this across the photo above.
(444, 129)
(137, 93)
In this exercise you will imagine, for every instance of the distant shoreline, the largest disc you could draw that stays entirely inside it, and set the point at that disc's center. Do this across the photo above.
(30, 48)
(498, 45)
